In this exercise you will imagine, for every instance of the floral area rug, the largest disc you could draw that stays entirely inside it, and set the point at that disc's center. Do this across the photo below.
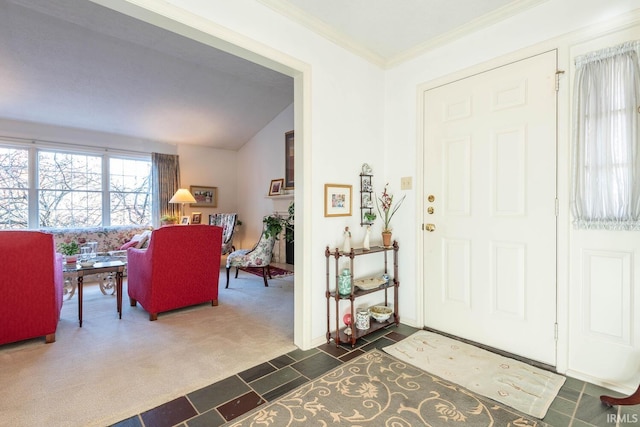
(276, 272)
(376, 389)
(514, 383)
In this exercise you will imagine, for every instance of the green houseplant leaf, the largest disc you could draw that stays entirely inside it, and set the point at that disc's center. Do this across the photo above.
(69, 248)
(275, 224)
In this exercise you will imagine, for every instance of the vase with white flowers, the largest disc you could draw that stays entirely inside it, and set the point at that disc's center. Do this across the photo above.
(386, 210)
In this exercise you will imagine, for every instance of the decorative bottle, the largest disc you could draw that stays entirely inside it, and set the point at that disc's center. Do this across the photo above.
(344, 282)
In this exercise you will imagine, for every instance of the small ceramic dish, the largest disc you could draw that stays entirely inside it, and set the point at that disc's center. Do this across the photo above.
(380, 313)
(370, 283)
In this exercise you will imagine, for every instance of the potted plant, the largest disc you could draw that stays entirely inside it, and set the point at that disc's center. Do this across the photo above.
(70, 250)
(168, 219)
(385, 208)
(370, 216)
(288, 224)
(276, 223)
(288, 233)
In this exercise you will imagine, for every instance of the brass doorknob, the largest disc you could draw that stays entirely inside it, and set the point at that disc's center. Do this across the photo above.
(430, 227)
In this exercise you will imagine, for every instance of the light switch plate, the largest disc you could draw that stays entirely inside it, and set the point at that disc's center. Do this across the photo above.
(405, 183)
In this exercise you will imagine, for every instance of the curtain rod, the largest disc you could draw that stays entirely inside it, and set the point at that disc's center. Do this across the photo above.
(70, 144)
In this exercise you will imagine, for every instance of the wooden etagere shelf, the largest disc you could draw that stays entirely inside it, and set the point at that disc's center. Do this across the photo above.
(334, 331)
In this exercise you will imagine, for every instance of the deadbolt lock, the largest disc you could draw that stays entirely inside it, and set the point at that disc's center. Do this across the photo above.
(431, 198)
(430, 210)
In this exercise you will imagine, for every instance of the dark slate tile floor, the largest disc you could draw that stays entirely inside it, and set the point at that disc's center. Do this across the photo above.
(577, 403)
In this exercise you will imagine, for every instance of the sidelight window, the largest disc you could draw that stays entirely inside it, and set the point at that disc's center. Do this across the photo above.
(606, 148)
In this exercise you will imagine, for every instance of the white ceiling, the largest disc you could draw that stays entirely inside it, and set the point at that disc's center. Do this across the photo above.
(77, 64)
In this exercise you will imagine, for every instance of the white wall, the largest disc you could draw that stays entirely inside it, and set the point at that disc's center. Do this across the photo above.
(260, 160)
(210, 167)
(59, 135)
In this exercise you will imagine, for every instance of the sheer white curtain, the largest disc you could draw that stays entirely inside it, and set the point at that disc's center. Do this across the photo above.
(606, 152)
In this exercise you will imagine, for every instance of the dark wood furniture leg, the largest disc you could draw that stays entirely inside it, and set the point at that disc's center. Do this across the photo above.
(633, 399)
(119, 275)
(80, 280)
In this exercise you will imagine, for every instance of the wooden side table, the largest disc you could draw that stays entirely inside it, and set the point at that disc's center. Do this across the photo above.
(116, 267)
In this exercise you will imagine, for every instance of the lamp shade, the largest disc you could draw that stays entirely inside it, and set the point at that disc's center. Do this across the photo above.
(182, 196)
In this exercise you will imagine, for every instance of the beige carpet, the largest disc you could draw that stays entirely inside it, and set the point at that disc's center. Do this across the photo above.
(112, 369)
(514, 383)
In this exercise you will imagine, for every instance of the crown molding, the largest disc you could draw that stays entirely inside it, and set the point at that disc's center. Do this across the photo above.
(479, 23)
(294, 13)
(310, 22)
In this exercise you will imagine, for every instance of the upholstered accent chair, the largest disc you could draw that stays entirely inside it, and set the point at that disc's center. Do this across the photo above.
(228, 223)
(180, 268)
(259, 256)
(31, 285)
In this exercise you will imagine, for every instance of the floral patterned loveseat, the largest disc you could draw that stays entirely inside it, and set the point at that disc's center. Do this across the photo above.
(109, 239)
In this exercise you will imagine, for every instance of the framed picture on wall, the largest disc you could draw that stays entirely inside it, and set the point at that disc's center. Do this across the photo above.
(196, 217)
(337, 200)
(289, 157)
(206, 197)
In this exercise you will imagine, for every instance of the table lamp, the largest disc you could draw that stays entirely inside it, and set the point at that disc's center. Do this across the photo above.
(182, 196)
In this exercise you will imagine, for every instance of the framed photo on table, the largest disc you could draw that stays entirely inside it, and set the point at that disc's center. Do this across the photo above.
(184, 220)
(275, 188)
(206, 197)
(196, 217)
(337, 200)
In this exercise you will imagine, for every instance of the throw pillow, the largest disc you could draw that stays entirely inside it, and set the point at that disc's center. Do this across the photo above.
(144, 237)
(137, 241)
(129, 244)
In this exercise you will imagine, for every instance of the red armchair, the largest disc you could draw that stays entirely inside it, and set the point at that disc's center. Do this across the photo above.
(181, 267)
(31, 285)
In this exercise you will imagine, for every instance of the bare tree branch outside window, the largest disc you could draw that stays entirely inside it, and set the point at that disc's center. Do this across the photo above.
(130, 191)
(14, 188)
(69, 189)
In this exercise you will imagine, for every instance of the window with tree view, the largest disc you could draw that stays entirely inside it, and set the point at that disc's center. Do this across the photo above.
(14, 188)
(130, 191)
(69, 190)
(72, 189)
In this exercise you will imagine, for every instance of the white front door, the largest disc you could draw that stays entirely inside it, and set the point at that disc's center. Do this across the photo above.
(490, 167)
